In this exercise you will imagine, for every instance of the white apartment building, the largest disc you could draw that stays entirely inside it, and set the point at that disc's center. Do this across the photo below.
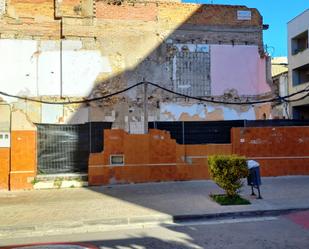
(298, 57)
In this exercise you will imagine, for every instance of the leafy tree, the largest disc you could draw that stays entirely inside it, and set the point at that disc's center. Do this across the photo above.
(227, 171)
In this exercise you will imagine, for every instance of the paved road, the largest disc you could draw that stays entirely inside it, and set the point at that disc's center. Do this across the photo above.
(288, 231)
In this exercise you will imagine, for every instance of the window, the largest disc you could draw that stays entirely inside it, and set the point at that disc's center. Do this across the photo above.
(300, 43)
(117, 160)
(191, 69)
(301, 75)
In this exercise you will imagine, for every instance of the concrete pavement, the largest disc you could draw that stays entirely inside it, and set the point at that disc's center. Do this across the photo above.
(74, 210)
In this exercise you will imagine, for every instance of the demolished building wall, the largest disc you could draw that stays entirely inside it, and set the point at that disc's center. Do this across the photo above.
(83, 49)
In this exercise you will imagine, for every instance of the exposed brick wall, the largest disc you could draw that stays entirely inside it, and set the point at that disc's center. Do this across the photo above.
(140, 11)
(177, 13)
(206, 14)
(223, 15)
(30, 30)
(69, 7)
(27, 19)
(35, 20)
(32, 8)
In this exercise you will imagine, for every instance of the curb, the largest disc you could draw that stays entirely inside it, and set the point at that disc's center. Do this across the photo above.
(237, 214)
(116, 223)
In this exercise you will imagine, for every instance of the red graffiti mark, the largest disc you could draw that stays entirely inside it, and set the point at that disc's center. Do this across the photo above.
(300, 218)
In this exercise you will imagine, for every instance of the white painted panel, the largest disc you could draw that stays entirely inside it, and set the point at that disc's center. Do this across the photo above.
(52, 114)
(49, 73)
(72, 45)
(18, 67)
(5, 140)
(169, 110)
(80, 69)
(49, 45)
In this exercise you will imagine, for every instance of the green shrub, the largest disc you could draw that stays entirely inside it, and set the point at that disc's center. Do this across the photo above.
(227, 172)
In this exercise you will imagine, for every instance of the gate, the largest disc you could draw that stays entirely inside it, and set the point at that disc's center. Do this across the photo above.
(66, 148)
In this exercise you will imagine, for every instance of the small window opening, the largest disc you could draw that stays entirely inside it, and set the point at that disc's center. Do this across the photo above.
(117, 160)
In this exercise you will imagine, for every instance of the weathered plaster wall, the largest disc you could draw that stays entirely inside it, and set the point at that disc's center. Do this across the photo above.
(202, 112)
(107, 47)
(32, 68)
(239, 68)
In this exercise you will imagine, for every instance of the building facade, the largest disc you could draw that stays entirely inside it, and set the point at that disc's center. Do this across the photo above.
(298, 55)
(279, 72)
(71, 50)
(61, 51)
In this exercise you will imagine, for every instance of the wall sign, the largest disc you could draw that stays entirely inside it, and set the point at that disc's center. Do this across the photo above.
(243, 15)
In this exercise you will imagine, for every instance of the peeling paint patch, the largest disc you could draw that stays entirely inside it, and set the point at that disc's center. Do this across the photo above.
(232, 114)
(175, 111)
(199, 112)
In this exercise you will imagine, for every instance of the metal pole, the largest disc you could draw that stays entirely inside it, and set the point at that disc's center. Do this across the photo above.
(184, 141)
(145, 108)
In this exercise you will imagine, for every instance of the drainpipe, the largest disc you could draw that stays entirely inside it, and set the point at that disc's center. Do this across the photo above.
(10, 153)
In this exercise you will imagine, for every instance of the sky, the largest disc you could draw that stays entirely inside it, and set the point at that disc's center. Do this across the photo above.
(276, 13)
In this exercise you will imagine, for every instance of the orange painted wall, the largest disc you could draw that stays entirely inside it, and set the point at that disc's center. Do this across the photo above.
(4, 168)
(149, 158)
(156, 157)
(23, 162)
(279, 150)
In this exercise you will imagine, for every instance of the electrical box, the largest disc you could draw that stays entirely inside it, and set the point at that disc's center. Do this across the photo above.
(5, 140)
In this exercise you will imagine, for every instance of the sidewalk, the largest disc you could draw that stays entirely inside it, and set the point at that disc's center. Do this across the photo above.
(40, 212)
